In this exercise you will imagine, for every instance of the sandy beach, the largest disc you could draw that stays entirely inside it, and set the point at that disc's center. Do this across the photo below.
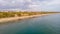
(17, 18)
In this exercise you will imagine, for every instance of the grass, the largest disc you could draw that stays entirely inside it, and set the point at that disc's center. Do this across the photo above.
(14, 14)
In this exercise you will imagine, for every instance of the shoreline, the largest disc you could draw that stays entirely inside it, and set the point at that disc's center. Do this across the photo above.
(18, 18)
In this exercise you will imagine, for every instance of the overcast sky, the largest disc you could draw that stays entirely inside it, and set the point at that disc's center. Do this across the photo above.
(50, 5)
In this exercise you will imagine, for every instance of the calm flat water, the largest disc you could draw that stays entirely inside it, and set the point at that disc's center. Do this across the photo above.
(40, 25)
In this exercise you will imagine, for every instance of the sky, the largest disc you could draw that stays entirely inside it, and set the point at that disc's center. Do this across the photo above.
(34, 5)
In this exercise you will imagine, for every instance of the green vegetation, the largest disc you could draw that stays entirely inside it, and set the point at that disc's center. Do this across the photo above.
(6, 14)
(14, 14)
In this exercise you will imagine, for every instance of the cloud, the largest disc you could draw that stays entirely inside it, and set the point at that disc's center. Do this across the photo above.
(52, 5)
(44, 5)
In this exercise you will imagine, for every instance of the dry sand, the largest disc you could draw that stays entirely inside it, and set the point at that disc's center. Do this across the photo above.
(16, 18)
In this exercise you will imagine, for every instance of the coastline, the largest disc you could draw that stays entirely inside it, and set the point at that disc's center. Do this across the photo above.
(17, 18)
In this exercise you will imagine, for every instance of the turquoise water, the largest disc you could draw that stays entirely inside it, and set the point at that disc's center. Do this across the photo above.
(41, 25)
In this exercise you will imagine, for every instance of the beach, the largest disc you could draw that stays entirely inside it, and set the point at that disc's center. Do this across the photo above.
(3, 20)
